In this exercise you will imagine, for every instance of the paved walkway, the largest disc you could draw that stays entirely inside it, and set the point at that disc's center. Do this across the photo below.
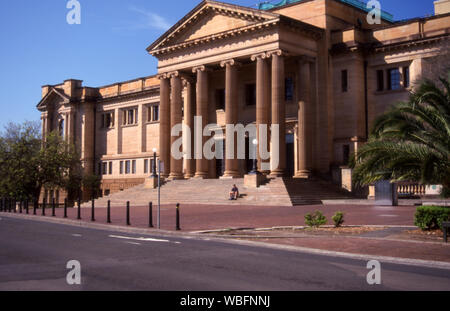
(202, 217)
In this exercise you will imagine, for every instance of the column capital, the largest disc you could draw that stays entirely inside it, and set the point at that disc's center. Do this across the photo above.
(202, 68)
(163, 76)
(277, 52)
(263, 55)
(173, 74)
(229, 62)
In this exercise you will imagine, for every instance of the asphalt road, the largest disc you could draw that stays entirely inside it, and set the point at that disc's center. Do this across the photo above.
(34, 255)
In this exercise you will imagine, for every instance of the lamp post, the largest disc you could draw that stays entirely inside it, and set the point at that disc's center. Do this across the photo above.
(154, 163)
(255, 167)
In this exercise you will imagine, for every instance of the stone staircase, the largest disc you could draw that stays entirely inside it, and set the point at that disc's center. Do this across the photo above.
(276, 192)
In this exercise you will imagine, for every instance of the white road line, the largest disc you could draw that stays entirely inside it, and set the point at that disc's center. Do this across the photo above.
(133, 243)
(77, 235)
(139, 239)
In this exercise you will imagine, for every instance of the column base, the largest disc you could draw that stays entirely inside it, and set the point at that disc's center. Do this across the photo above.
(231, 175)
(303, 175)
(276, 174)
(176, 176)
(201, 176)
(189, 176)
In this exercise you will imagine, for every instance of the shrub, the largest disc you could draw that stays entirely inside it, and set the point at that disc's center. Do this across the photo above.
(338, 219)
(431, 217)
(315, 220)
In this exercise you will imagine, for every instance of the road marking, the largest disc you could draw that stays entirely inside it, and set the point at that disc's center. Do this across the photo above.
(133, 243)
(389, 216)
(77, 235)
(138, 239)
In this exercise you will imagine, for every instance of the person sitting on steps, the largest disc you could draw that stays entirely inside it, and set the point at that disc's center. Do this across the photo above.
(234, 194)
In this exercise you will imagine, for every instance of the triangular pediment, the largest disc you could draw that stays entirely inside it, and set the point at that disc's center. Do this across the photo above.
(208, 19)
(54, 95)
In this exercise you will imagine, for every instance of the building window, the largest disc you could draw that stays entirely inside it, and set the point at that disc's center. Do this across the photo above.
(104, 168)
(406, 77)
(380, 80)
(133, 167)
(130, 116)
(344, 81)
(220, 99)
(289, 85)
(250, 94)
(127, 167)
(61, 128)
(107, 120)
(121, 167)
(394, 79)
(153, 113)
(145, 166)
(110, 168)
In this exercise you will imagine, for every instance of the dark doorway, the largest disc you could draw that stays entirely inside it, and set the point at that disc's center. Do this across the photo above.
(290, 155)
(220, 163)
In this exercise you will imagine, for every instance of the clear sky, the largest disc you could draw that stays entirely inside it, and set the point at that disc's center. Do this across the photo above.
(38, 47)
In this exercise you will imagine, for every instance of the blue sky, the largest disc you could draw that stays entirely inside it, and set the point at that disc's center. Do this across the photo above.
(38, 47)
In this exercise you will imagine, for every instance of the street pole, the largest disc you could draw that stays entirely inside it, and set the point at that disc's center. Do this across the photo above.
(159, 194)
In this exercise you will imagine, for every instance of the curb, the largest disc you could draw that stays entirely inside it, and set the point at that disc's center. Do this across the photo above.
(190, 235)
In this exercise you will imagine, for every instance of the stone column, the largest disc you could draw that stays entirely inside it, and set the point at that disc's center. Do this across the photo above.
(231, 111)
(164, 125)
(304, 150)
(176, 102)
(262, 103)
(189, 113)
(202, 111)
(278, 113)
(118, 129)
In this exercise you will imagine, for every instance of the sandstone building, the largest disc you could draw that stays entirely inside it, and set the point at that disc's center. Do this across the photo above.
(315, 67)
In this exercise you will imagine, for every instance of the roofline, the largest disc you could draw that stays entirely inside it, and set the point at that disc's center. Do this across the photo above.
(200, 5)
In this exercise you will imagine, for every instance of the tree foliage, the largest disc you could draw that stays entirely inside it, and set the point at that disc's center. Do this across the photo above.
(411, 141)
(27, 163)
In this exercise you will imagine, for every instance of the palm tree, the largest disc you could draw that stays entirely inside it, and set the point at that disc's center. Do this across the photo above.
(411, 141)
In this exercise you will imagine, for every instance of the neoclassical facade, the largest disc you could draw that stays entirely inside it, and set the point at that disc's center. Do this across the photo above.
(315, 68)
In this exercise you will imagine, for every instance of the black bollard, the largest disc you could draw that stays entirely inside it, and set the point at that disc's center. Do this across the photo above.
(27, 210)
(79, 209)
(65, 208)
(9, 205)
(20, 207)
(178, 217)
(1, 205)
(44, 203)
(53, 208)
(93, 210)
(108, 211)
(150, 215)
(15, 206)
(35, 206)
(128, 214)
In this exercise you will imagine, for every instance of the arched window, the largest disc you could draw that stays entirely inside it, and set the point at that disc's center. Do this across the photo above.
(61, 128)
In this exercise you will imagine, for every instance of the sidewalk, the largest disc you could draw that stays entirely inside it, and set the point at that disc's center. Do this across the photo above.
(203, 217)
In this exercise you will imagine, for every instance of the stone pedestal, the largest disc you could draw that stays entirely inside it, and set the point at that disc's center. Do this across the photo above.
(254, 180)
(151, 183)
(346, 179)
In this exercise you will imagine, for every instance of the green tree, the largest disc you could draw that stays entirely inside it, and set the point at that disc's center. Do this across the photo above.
(27, 163)
(411, 141)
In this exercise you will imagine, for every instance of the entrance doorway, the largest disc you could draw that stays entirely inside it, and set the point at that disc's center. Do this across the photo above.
(290, 155)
